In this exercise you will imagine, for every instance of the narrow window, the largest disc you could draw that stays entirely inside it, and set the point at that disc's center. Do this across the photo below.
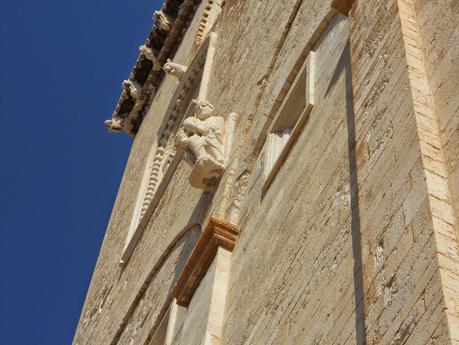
(289, 120)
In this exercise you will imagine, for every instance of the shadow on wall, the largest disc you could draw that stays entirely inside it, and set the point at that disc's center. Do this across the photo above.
(193, 230)
(344, 65)
(187, 239)
(360, 328)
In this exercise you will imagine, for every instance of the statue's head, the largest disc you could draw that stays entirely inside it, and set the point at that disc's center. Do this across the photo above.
(203, 109)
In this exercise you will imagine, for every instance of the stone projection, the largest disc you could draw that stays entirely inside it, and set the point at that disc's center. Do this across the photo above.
(201, 136)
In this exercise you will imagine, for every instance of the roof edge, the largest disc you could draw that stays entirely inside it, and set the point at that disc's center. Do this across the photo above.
(171, 23)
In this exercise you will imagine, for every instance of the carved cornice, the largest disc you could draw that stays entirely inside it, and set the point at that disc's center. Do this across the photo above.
(162, 43)
(208, 19)
(218, 233)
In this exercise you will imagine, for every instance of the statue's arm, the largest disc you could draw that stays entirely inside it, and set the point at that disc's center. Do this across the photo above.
(196, 126)
(217, 125)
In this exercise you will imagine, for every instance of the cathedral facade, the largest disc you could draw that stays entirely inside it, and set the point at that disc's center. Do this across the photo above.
(293, 178)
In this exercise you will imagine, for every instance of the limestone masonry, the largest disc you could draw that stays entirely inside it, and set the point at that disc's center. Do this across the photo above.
(293, 178)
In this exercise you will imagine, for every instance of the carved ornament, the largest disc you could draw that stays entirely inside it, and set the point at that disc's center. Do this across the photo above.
(174, 69)
(162, 20)
(201, 136)
(133, 87)
(115, 124)
(150, 55)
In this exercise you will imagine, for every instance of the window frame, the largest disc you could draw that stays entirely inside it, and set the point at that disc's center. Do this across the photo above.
(275, 154)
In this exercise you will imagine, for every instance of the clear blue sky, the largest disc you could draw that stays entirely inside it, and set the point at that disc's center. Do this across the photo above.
(62, 64)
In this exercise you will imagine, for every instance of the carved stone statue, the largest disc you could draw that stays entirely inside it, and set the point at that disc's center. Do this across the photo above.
(174, 69)
(201, 136)
(150, 55)
(162, 20)
(115, 124)
(133, 87)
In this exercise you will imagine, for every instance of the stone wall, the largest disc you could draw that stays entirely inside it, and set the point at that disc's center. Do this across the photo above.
(440, 36)
(342, 248)
(122, 302)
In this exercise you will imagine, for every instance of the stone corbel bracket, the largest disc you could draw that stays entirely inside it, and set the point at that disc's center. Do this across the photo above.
(217, 233)
(150, 55)
(174, 69)
(133, 87)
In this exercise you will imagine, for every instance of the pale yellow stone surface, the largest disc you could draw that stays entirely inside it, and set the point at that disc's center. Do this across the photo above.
(204, 319)
(355, 240)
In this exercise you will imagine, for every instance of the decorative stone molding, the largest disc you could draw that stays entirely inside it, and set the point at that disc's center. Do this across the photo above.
(161, 162)
(208, 19)
(166, 144)
(174, 69)
(217, 233)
